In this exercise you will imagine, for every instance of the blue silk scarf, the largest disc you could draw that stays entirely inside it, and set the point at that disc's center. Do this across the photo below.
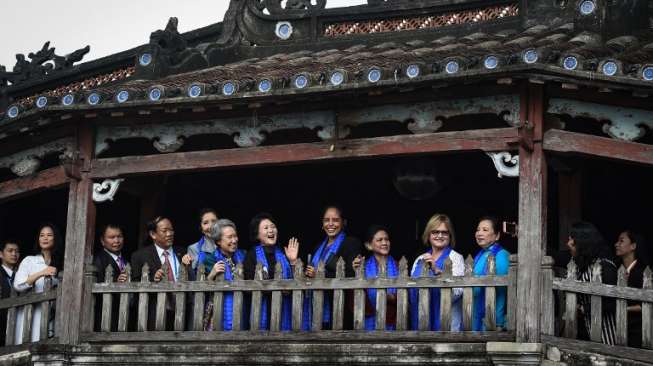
(434, 317)
(479, 292)
(323, 254)
(227, 312)
(372, 271)
(286, 300)
(204, 258)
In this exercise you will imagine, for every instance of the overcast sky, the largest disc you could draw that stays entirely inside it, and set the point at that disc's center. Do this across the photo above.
(107, 26)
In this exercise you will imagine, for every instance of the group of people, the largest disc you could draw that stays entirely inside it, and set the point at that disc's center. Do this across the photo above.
(219, 253)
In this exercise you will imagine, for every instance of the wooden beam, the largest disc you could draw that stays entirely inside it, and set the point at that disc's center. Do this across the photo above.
(532, 221)
(484, 140)
(614, 353)
(47, 179)
(604, 147)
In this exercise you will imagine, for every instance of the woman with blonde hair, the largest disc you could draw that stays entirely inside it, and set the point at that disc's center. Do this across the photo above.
(440, 239)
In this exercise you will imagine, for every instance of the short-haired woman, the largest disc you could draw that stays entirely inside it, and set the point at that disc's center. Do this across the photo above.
(629, 250)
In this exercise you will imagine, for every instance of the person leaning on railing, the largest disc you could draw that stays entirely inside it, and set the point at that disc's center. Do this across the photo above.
(263, 231)
(204, 247)
(487, 237)
(377, 241)
(336, 245)
(32, 272)
(440, 237)
(224, 260)
(588, 248)
(629, 249)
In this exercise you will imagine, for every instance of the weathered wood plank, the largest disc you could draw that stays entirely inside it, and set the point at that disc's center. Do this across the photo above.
(180, 301)
(338, 298)
(618, 352)
(548, 308)
(487, 140)
(237, 312)
(297, 298)
(318, 301)
(123, 305)
(490, 320)
(402, 297)
(571, 309)
(10, 331)
(621, 313)
(255, 315)
(511, 300)
(605, 290)
(198, 300)
(359, 299)
(597, 306)
(424, 302)
(143, 300)
(647, 311)
(468, 295)
(27, 323)
(47, 179)
(107, 301)
(381, 300)
(275, 307)
(32, 298)
(445, 297)
(580, 143)
(218, 307)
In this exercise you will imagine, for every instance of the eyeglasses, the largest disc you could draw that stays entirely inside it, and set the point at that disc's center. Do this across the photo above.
(440, 233)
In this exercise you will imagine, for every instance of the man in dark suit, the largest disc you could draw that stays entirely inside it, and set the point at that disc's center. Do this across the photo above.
(157, 255)
(112, 241)
(10, 255)
(110, 254)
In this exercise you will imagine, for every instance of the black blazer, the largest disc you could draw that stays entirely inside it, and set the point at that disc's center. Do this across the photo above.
(349, 249)
(4, 281)
(149, 255)
(101, 260)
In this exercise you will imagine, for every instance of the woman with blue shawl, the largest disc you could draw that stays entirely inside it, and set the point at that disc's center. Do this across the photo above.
(336, 244)
(205, 246)
(263, 231)
(224, 260)
(440, 237)
(378, 242)
(487, 237)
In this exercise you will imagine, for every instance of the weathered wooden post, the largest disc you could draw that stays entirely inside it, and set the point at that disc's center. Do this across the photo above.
(402, 296)
(338, 298)
(548, 316)
(468, 295)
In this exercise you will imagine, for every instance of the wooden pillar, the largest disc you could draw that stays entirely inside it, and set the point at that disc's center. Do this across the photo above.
(75, 310)
(532, 215)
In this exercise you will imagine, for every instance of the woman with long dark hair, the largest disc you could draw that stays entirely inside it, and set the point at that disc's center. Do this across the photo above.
(588, 249)
(33, 271)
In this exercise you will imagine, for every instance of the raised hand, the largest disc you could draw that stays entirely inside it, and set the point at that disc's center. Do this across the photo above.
(122, 277)
(357, 261)
(158, 275)
(292, 250)
(310, 271)
(50, 271)
(187, 259)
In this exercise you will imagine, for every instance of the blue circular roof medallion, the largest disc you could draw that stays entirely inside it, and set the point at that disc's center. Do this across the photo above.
(154, 94)
(452, 67)
(93, 99)
(587, 7)
(570, 63)
(283, 30)
(530, 56)
(374, 75)
(301, 81)
(412, 71)
(337, 78)
(68, 99)
(264, 86)
(41, 102)
(13, 111)
(145, 59)
(194, 91)
(491, 62)
(647, 73)
(229, 88)
(122, 96)
(610, 68)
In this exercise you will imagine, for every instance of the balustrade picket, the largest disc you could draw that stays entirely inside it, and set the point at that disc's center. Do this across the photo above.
(107, 302)
(198, 300)
(180, 301)
(318, 300)
(468, 295)
(338, 298)
(490, 320)
(359, 299)
(596, 305)
(621, 314)
(571, 308)
(297, 297)
(123, 306)
(143, 300)
(647, 311)
(424, 302)
(276, 298)
(255, 315)
(381, 299)
(218, 306)
(237, 309)
(10, 331)
(445, 297)
(402, 296)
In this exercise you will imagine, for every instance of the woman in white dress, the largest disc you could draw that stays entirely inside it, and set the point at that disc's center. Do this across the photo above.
(31, 274)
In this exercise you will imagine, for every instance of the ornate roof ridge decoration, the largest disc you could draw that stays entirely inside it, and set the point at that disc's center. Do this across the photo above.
(42, 63)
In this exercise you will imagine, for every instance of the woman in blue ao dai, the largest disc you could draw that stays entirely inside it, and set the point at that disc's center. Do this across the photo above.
(487, 237)
(203, 249)
(226, 257)
(440, 237)
(263, 231)
(378, 242)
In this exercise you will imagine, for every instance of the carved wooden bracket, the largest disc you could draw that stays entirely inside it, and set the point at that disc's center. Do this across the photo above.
(506, 164)
(105, 191)
(28, 161)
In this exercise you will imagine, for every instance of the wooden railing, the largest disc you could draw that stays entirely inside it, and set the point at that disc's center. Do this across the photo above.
(25, 306)
(567, 291)
(161, 299)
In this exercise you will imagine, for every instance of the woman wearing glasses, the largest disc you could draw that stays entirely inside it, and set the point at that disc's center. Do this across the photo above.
(439, 237)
